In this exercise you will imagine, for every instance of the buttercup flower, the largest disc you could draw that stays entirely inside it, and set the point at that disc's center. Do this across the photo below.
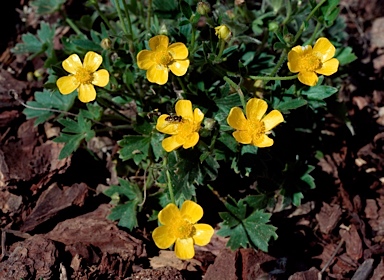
(183, 126)
(83, 76)
(180, 226)
(163, 57)
(222, 32)
(253, 129)
(309, 62)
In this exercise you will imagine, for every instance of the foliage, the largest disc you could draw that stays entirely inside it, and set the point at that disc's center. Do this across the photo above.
(235, 53)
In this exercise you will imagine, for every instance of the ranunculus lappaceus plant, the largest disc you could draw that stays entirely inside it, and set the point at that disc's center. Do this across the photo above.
(198, 97)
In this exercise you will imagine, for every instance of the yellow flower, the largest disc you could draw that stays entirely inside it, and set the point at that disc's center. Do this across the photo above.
(183, 126)
(83, 76)
(253, 129)
(222, 32)
(163, 57)
(180, 226)
(309, 62)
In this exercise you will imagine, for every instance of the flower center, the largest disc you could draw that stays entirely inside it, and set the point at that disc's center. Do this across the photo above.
(256, 128)
(310, 62)
(186, 128)
(163, 58)
(84, 76)
(183, 229)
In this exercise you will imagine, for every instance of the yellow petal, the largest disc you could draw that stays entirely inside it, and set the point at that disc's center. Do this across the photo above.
(242, 136)
(163, 237)
(67, 84)
(272, 119)
(256, 109)
(184, 248)
(294, 61)
(191, 211)
(299, 50)
(72, 63)
(158, 41)
(198, 116)
(203, 234)
(236, 119)
(178, 51)
(92, 61)
(179, 67)
(324, 49)
(263, 141)
(191, 140)
(329, 67)
(167, 127)
(172, 143)
(87, 93)
(308, 78)
(169, 214)
(145, 59)
(100, 78)
(184, 108)
(157, 74)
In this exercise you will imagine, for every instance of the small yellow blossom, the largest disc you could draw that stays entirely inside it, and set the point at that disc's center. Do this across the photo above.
(253, 128)
(83, 76)
(310, 62)
(223, 32)
(163, 57)
(183, 126)
(180, 226)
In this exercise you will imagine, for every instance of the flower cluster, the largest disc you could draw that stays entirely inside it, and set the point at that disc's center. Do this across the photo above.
(179, 227)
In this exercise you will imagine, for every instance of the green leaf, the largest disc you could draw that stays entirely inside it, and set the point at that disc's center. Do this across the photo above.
(76, 132)
(47, 99)
(290, 104)
(345, 56)
(245, 230)
(45, 7)
(126, 213)
(126, 188)
(258, 230)
(134, 147)
(36, 45)
(186, 9)
(320, 92)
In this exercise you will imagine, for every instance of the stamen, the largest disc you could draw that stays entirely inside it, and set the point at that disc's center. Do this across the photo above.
(83, 76)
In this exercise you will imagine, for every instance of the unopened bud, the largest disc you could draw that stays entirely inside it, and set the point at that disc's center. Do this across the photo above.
(223, 32)
(209, 123)
(273, 26)
(288, 38)
(203, 8)
(106, 44)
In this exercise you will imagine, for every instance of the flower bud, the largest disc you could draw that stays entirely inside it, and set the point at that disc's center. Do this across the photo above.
(203, 8)
(273, 26)
(288, 38)
(209, 123)
(223, 32)
(106, 44)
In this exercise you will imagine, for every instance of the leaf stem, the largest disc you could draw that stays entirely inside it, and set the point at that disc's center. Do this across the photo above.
(169, 183)
(237, 88)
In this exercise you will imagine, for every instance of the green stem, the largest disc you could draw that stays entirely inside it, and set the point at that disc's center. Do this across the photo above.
(169, 183)
(149, 14)
(279, 63)
(103, 17)
(118, 9)
(266, 78)
(222, 46)
(237, 88)
(314, 34)
(73, 26)
(298, 34)
(182, 85)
